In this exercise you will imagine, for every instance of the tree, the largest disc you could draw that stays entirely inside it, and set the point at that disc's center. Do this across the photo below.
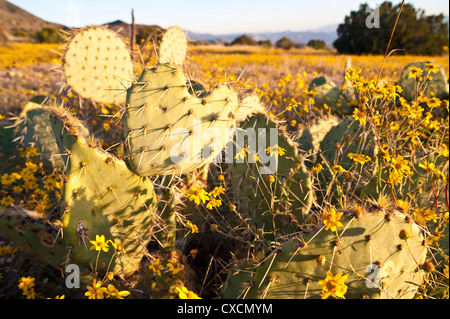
(285, 43)
(265, 43)
(243, 40)
(317, 44)
(49, 35)
(416, 32)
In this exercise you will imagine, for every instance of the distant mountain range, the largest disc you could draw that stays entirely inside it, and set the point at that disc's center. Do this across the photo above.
(16, 22)
(327, 34)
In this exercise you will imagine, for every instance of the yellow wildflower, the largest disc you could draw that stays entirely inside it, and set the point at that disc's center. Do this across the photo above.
(433, 102)
(415, 72)
(242, 153)
(432, 68)
(156, 267)
(394, 126)
(118, 246)
(275, 150)
(193, 227)
(428, 167)
(404, 234)
(401, 165)
(174, 267)
(7, 201)
(30, 294)
(197, 195)
(359, 158)
(96, 291)
(217, 191)
(213, 202)
(8, 179)
(184, 293)
(333, 285)
(29, 151)
(331, 219)
(193, 253)
(338, 169)
(395, 177)
(317, 168)
(99, 243)
(360, 116)
(425, 214)
(113, 292)
(26, 283)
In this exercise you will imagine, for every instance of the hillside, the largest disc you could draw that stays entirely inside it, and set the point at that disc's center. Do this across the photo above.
(16, 23)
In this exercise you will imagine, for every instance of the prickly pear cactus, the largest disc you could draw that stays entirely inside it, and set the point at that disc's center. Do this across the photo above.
(34, 234)
(169, 131)
(422, 184)
(8, 148)
(102, 197)
(347, 138)
(97, 65)
(173, 46)
(381, 254)
(438, 85)
(313, 135)
(276, 200)
(249, 104)
(33, 129)
(329, 93)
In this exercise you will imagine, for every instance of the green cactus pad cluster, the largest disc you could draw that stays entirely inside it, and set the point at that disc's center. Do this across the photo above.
(169, 131)
(277, 200)
(313, 135)
(33, 129)
(97, 65)
(8, 148)
(346, 138)
(34, 234)
(422, 184)
(381, 253)
(331, 94)
(102, 197)
(438, 85)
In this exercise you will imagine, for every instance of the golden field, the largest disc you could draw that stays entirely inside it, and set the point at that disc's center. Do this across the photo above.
(26, 67)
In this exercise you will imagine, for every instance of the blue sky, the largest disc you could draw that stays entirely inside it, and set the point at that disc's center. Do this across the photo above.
(217, 17)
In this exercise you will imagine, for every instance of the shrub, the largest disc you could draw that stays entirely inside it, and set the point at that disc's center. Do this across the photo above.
(317, 44)
(285, 43)
(49, 35)
(243, 40)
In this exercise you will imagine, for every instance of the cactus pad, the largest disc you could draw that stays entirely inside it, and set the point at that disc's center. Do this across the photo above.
(97, 64)
(102, 197)
(438, 85)
(34, 234)
(169, 131)
(173, 46)
(381, 253)
(277, 200)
